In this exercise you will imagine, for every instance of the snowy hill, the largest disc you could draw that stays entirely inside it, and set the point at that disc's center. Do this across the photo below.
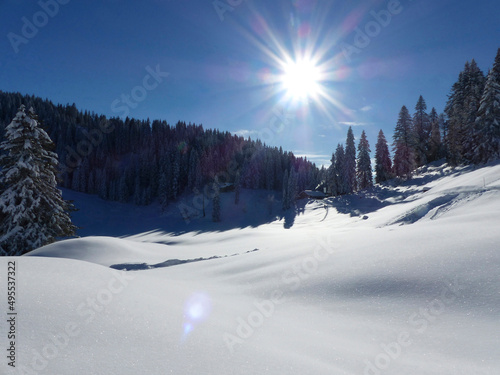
(397, 280)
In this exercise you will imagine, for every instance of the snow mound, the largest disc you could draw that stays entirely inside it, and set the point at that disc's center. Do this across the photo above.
(127, 254)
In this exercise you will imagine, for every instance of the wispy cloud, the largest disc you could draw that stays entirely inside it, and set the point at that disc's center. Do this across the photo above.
(318, 159)
(366, 108)
(354, 123)
(246, 133)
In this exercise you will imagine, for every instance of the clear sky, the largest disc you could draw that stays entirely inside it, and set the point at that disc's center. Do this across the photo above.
(295, 73)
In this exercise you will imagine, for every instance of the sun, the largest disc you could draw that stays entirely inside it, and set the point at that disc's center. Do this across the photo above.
(301, 79)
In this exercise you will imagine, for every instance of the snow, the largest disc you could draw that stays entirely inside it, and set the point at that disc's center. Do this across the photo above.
(314, 194)
(333, 294)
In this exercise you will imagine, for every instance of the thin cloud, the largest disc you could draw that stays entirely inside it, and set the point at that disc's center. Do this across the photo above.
(318, 159)
(366, 108)
(246, 133)
(354, 123)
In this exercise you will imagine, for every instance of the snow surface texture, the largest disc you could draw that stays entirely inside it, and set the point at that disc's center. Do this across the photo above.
(392, 281)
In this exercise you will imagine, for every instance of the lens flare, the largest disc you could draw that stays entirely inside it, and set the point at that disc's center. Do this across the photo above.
(196, 309)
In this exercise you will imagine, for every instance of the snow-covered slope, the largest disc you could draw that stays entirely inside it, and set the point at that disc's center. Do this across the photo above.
(393, 281)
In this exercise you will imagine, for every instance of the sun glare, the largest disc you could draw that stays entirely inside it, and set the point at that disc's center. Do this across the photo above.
(301, 79)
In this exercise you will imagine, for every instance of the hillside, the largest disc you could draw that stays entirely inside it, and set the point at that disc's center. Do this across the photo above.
(397, 280)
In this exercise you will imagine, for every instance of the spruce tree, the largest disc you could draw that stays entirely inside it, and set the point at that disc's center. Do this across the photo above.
(435, 147)
(454, 110)
(364, 165)
(331, 178)
(422, 131)
(383, 162)
(350, 162)
(462, 110)
(488, 119)
(443, 127)
(404, 158)
(342, 187)
(32, 210)
(475, 90)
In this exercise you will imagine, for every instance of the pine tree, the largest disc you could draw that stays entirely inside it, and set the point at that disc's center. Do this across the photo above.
(454, 111)
(32, 210)
(462, 110)
(422, 131)
(435, 146)
(404, 158)
(342, 187)
(216, 205)
(488, 119)
(383, 163)
(475, 90)
(331, 178)
(364, 164)
(350, 162)
(443, 127)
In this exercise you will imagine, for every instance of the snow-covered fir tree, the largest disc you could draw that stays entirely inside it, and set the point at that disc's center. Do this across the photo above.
(475, 90)
(443, 127)
(331, 178)
(32, 210)
(404, 158)
(342, 187)
(364, 165)
(383, 162)
(422, 131)
(454, 111)
(488, 118)
(462, 110)
(435, 146)
(350, 162)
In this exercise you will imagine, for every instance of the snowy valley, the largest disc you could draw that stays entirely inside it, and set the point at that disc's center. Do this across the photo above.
(396, 280)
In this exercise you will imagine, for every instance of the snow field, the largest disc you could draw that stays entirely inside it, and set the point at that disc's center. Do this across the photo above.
(334, 294)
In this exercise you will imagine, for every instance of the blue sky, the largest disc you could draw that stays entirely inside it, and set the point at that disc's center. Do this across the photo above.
(222, 68)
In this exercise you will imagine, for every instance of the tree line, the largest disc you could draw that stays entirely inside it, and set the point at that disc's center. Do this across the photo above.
(468, 132)
(138, 161)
